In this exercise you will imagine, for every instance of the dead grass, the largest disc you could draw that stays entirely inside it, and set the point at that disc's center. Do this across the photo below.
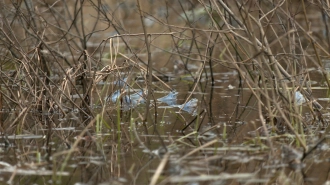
(60, 60)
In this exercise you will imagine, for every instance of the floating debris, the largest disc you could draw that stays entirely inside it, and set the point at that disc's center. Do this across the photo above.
(231, 87)
(169, 99)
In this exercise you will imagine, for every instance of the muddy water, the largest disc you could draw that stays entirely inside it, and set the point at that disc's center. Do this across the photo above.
(119, 148)
(130, 153)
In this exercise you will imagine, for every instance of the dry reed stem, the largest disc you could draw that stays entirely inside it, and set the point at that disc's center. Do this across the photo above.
(159, 169)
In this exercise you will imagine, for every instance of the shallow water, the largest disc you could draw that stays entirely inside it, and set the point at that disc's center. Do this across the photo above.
(196, 131)
(220, 138)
